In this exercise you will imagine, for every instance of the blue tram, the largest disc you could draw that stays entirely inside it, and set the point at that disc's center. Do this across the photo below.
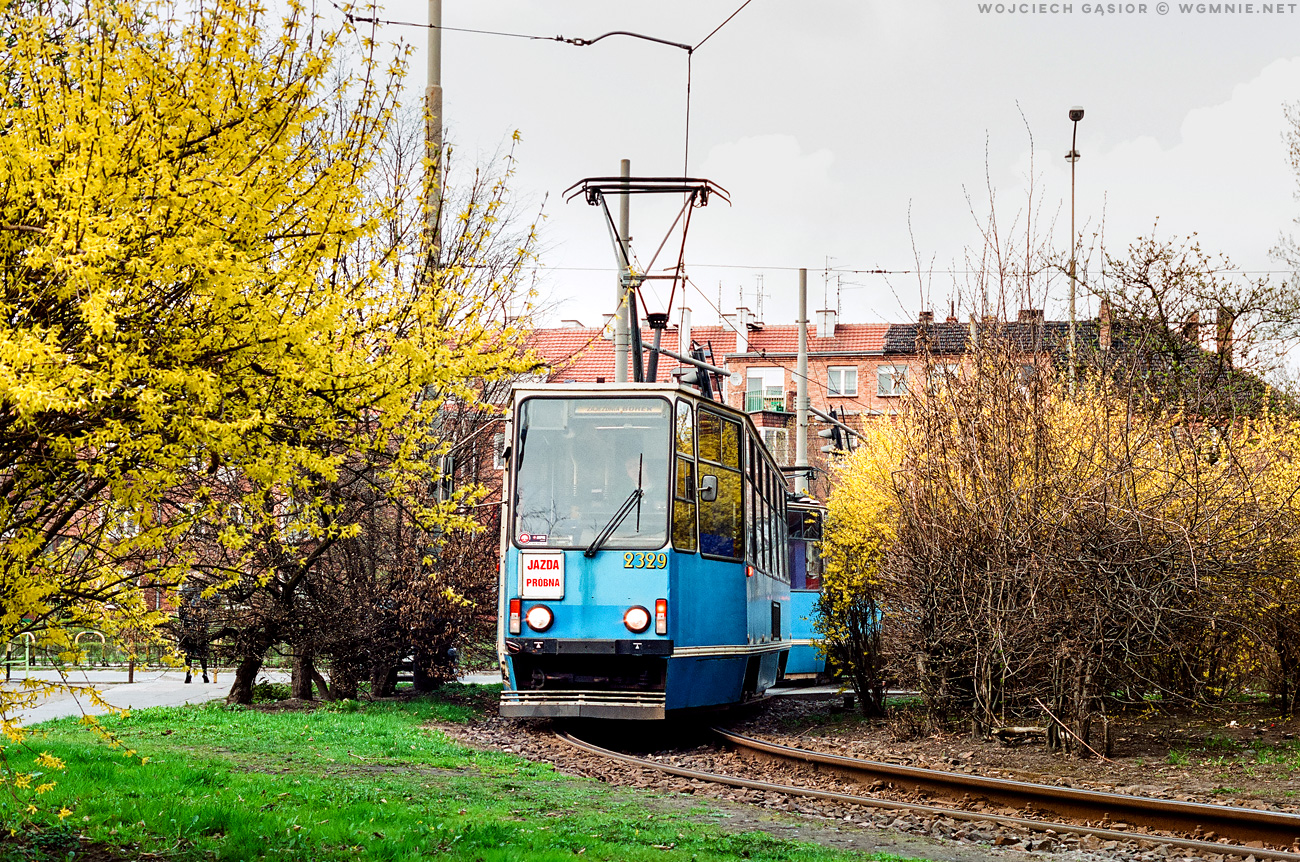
(806, 519)
(644, 564)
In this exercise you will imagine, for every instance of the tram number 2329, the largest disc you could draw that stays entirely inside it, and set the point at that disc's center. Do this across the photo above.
(641, 560)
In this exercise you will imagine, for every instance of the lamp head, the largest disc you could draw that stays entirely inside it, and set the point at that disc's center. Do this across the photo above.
(1076, 113)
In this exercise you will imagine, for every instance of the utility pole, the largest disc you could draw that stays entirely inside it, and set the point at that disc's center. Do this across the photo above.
(622, 332)
(433, 129)
(801, 392)
(1076, 114)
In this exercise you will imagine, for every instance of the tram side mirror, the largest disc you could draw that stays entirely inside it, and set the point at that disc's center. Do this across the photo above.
(708, 488)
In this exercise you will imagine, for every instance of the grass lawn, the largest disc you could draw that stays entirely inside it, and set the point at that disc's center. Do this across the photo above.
(377, 782)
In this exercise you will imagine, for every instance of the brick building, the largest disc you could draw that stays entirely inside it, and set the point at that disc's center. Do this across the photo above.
(859, 370)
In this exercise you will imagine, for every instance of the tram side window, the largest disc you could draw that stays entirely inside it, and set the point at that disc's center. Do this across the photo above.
(783, 560)
(751, 523)
(805, 558)
(684, 531)
(813, 537)
(766, 516)
(749, 519)
(776, 526)
(721, 520)
(710, 437)
(757, 527)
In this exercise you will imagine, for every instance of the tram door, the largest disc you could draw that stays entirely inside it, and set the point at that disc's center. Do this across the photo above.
(806, 525)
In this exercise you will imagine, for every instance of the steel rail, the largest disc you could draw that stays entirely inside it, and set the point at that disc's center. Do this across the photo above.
(935, 810)
(1236, 823)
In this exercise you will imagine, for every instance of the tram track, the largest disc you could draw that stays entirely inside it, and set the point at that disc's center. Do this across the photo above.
(1250, 831)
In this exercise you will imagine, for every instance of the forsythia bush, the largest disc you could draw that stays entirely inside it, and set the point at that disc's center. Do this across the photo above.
(198, 284)
(1036, 551)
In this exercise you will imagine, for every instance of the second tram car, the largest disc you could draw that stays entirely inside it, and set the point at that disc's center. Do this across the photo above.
(644, 559)
(806, 519)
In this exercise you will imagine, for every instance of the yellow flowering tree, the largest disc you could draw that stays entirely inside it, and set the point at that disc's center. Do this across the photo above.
(862, 516)
(206, 283)
(1270, 447)
(1046, 553)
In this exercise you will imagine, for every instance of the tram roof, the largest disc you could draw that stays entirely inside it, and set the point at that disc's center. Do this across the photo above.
(616, 390)
(609, 389)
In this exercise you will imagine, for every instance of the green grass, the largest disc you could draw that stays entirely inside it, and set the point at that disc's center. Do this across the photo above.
(1219, 742)
(376, 782)
(1283, 754)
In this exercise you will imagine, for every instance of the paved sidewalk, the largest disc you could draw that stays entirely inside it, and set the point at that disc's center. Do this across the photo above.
(153, 687)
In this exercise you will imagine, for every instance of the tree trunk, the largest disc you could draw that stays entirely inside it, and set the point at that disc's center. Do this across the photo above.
(383, 680)
(241, 691)
(301, 679)
(321, 685)
(422, 681)
(343, 680)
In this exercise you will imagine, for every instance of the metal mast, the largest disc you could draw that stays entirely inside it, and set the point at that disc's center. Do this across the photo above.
(801, 392)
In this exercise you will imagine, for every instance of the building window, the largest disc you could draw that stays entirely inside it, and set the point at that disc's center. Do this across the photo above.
(765, 390)
(943, 374)
(891, 380)
(777, 441)
(498, 451)
(842, 380)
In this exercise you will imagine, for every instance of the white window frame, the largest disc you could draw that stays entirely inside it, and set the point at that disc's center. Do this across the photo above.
(498, 450)
(769, 379)
(942, 373)
(897, 377)
(842, 381)
(774, 437)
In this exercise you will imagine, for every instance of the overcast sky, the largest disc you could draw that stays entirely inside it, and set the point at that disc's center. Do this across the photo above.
(829, 120)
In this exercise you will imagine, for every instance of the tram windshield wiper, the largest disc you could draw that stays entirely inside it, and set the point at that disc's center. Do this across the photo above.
(633, 501)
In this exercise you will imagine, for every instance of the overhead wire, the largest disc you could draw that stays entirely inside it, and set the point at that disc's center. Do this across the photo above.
(690, 50)
(825, 387)
(723, 24)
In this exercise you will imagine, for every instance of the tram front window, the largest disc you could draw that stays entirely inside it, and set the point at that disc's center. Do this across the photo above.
(580, 459)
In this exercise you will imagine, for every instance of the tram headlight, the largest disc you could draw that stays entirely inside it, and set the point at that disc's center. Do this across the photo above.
(637, 619)
(539, 618)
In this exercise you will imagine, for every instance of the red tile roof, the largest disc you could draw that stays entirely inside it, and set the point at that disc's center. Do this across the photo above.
(849, 338)
(582, 354)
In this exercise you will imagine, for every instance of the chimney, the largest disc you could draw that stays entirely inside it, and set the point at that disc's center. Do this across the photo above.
(739, 323)
(1030, 315)
(749, 319)
(952, 312)
(1103, 326)
(1191, 329)
(607, 328)
(826, 322)
(927, 318)
(1223, 335)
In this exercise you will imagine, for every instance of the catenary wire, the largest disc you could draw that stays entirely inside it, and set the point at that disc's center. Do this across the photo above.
(824, 387)
(353, 18)
(723, 24)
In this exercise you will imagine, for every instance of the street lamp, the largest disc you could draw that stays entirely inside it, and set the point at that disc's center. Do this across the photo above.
(1076, 114)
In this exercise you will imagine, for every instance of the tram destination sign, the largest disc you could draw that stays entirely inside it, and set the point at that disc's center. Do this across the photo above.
(541, 574)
